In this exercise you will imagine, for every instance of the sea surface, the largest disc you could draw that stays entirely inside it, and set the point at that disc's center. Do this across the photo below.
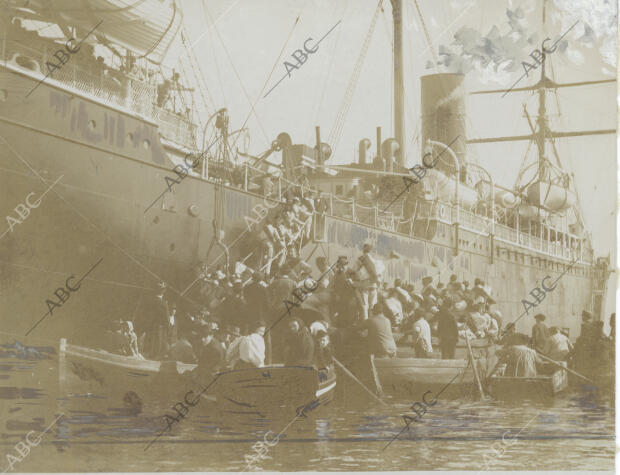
(574, 431)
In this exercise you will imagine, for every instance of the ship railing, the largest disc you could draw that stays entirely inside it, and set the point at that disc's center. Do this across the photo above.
(109, 86)
(569, 247)
(175, 127)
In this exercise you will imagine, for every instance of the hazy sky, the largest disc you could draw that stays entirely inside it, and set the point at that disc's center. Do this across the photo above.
(239, 53)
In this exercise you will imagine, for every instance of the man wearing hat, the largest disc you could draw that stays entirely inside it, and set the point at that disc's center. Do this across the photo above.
(211, 356)
(540, 333)
(586, 324)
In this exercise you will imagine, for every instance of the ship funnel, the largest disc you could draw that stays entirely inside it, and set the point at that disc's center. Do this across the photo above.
(388, 150)
(363, 146)
(443, 114)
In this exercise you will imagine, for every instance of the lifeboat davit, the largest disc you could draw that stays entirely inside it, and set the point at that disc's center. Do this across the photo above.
(551, 196)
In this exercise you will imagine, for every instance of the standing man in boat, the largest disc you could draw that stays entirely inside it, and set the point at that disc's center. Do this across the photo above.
(448, 330)
(155, 321)
(540, 333)
(367, 280)
(422, 335)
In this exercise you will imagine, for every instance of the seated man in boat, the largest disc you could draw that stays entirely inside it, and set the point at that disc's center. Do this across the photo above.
(511, 337)
(520, 360)
(323, 354)
(210, 355)
(557, 346)
(478, 320)
(180, 350)
(380, 338)
(252, 348)
(299, 345)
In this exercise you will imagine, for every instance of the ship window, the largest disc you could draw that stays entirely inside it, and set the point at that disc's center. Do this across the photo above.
(146, 144)
(130, 136)
(339, 189)
(92, 125)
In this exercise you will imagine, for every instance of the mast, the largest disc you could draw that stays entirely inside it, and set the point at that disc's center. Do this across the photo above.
(399, 97)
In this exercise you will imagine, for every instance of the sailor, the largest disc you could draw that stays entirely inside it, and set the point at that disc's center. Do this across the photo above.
(367, 280)
(539, 332)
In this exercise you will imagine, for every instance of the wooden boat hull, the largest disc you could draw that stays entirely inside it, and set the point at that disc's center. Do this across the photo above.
(115, 381)
(520, 387)
(414, 376)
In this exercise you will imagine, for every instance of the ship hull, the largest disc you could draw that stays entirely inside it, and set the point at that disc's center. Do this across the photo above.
(110, 165)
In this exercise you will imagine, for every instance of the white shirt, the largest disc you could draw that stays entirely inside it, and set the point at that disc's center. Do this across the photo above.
(252, 350)
(423, 332)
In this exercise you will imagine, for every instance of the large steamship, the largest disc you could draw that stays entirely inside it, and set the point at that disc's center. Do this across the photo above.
(103, 137)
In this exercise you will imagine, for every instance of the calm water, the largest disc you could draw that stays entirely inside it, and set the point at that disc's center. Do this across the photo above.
(575, 431)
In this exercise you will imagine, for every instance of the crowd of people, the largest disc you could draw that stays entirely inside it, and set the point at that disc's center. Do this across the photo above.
(273, 310)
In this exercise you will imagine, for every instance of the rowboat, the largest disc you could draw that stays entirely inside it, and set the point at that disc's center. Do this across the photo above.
(539, 387)
(117, 381)
(407, 375)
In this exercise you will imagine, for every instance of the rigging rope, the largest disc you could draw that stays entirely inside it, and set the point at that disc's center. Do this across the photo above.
(272, 70)
(428, 37)
(217, 65)
(200, 78)
(335, 134)
(331, 65)
(260, 124)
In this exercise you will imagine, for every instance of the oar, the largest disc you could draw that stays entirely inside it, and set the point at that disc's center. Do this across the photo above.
(473, 365)
(564, 367)
(352, 376)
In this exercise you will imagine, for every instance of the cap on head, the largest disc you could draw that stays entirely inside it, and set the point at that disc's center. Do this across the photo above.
(453, 278)
(586, 315)
(540, 317)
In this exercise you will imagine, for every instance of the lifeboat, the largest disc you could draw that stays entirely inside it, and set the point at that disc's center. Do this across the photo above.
(551, 196)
